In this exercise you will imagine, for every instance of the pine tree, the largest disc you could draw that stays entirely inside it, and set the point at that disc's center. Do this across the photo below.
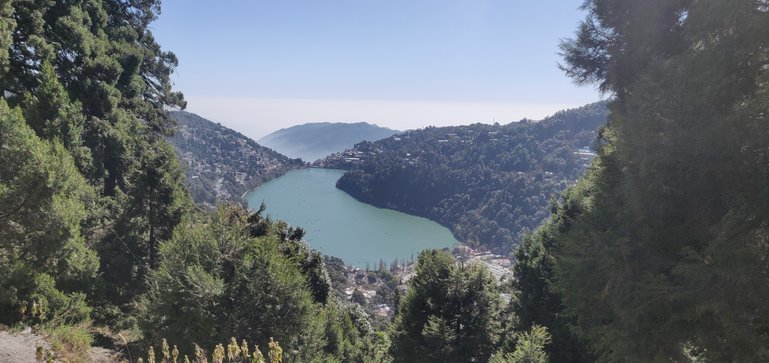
(90, 76)
(664, 257)
(45, 263)
(7, 24)
(449, 314)
(530, 347)
(215, 281)
(536, 302)
(159, 197)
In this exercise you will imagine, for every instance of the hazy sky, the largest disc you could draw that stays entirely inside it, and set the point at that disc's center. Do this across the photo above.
(258, 66)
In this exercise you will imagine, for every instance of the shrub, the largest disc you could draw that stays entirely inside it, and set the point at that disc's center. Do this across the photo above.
(72, 343)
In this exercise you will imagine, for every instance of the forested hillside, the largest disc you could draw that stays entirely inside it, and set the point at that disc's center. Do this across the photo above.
(487, 183)
(99, 238)
(221, 164)
(313, 141)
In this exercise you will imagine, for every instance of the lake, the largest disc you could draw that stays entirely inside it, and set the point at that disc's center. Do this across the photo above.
(338, 225)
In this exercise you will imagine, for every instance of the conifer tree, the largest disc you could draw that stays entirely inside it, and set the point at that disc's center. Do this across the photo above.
(665, 256)
(530, 347)
(89, 75)
(215, 281)
(45, 265)
(536, 302)
(450, 313)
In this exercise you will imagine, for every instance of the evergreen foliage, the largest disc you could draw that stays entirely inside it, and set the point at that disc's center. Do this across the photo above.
(217, 278)
(659, 253)
(661, 248)
(449, 314)
(216, 281)
(88, 75)
(46, 267)
(536, 303)
(95, 221)
(529, 349)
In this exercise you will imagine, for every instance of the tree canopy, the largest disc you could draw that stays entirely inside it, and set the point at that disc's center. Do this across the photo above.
(96, 226)
(449, 314)
(662, 247)
(44, 258)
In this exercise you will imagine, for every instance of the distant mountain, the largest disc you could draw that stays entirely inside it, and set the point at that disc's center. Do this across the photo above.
(313, 141)
(222, 164)
(487, 183)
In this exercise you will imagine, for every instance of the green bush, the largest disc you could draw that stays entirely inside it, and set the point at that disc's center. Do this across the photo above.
(72, 343)
(45, 264)
(215, 281)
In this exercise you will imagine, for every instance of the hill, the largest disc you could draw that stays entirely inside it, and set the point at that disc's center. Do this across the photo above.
(220, 163)
(315, 140)
(487, 183)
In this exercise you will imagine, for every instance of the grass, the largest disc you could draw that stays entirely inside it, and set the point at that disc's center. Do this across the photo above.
(71, 343)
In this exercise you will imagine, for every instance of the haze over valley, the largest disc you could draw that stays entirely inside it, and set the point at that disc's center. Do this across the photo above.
(313, 141)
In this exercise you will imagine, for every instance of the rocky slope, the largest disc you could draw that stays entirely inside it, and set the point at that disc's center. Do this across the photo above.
(222, 164)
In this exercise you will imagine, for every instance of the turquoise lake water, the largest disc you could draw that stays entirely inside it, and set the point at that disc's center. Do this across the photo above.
(338, 225)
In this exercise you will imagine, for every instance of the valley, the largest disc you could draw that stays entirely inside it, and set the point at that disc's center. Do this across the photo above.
(497, 180)
(630, 230)
(489, 184)
(338, 225)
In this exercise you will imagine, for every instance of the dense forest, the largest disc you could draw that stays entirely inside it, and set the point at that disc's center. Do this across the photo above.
(487, 183)
(100, 240)
(221, 164)
(658, 253)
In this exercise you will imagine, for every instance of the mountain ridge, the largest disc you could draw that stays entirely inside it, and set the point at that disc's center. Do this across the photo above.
(222, 164)
(487, 183)
(312, 141)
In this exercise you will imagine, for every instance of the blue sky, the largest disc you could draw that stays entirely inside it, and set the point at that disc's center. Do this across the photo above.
(258, 66)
